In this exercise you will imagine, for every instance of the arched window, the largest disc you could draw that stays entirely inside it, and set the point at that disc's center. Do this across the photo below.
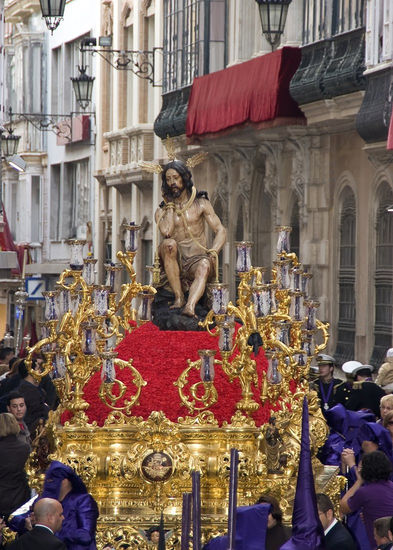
(383, 277)
(345, 349)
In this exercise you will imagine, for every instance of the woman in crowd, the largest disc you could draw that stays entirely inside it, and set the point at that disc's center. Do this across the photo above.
(388, 423)
(386, 405)
(372, 493)
(14, 489)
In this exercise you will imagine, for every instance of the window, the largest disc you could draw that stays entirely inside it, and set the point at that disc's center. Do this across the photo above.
(70, 188)
(383, 277)
(325, 18)
(33, 101)
(194, 40)
(35, 209)
(346, 326)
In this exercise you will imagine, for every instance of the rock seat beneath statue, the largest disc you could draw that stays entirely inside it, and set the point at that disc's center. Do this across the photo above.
(161, 357)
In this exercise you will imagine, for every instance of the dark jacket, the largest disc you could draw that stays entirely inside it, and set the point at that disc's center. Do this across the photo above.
(339, 538)
(39, 538)
(361, 395)
(14, 490)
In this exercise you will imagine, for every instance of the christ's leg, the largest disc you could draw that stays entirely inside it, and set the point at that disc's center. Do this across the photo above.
(168, 253)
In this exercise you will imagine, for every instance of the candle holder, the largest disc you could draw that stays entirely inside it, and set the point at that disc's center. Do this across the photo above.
(51, 306)
(243, 262)
(283, 239)
(219, 293)
(113, 277)
(131, 237)
(76, 254)
(305, 283)
(108, 372)
(89, 336)
(311, 314)
(88, 274)
(8, 340)
(296, 309)
(225, 339)
(146, 298)
(282, 270)
(207, 364)
(295, 274)
(100, 299)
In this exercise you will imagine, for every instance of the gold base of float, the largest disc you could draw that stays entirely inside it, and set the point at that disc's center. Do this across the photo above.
(136, 468)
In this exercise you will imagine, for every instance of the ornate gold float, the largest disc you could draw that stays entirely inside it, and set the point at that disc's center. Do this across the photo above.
(137, 468)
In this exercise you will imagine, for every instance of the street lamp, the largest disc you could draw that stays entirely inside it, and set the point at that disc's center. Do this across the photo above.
(52, 12)
(8, 142)
(273, 15)
(83, 84)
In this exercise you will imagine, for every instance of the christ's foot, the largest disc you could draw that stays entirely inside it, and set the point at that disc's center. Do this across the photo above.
(189, 311)
(178, 303)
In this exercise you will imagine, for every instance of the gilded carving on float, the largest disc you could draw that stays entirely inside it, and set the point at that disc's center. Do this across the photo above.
(136, 467)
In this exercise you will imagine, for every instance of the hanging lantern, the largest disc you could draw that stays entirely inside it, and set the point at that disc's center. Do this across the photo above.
(273, 15)
(52, 12)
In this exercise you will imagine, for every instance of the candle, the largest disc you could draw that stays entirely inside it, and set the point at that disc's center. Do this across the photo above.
(185, 521)
(196, 510)
(233, 473)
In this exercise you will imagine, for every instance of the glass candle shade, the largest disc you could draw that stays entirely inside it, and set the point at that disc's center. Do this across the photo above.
(51, 306)
(311, 314)
(100, 298)
(89, 335)
(305, 283)
(146, 298)
(207, 364)
(75, 300)
(44, 333)
(76, 257)
(131, 236)
(113, 277)
(108, 373)
(282, 332)
(283, 241)
(308, 346)
(220, 297)
(88, 273)
(300, 358)
(295, 277)
(243, 262)
(58, 364)
(63, 301)
(225, 338)
(282, 271)
(261, 297)
(273, 375)
(296, 309)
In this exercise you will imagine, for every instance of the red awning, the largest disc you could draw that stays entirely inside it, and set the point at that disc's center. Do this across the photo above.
(255, 92)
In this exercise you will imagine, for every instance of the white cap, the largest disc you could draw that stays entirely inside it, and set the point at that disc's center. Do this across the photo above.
(350, 366)
(389, 353)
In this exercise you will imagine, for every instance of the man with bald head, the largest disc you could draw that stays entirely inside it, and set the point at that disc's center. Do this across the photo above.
(48, 518)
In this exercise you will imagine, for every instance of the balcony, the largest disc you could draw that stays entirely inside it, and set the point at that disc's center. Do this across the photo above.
(127, 147)
(330, 68)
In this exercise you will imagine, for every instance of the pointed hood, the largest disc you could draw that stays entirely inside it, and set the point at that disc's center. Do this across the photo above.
(307, 531)
(55, 474)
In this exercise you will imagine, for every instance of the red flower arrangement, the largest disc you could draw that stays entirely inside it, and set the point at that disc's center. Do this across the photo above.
(160, 357)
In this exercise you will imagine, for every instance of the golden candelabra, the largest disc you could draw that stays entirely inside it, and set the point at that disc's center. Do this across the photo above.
(135, 467)
(84, 323)
(277, 315)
